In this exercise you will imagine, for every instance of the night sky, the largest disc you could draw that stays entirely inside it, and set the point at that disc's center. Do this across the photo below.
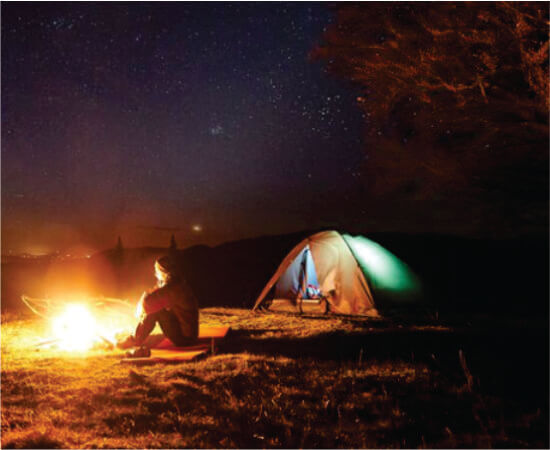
(205, 120)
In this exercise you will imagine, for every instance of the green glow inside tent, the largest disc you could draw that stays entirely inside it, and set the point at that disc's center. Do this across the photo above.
(386, 273)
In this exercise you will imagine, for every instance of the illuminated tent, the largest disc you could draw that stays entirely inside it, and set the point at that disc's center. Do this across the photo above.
(345, 274)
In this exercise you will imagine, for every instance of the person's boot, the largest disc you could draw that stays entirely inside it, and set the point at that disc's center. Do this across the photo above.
(139, 352)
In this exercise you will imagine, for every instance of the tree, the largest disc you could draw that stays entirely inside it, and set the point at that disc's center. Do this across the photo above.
(454, 96)
(119, 247)
(464, 54)
(173, 244)
(118, 260)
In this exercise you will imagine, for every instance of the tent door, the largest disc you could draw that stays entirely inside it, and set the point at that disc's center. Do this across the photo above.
(299, 281)
(308, 298)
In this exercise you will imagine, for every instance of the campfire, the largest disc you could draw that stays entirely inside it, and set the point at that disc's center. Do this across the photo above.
(83, 325)
(76, 329)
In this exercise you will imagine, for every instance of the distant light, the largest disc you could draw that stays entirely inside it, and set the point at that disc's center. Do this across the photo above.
(197, 228)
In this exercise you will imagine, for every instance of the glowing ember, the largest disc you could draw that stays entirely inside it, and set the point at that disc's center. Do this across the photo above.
(76, 329)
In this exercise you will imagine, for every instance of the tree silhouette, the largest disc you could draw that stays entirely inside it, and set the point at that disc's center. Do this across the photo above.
(454, 97)
(463, 55)
(119, 249)
(118, 262)
(173, 244)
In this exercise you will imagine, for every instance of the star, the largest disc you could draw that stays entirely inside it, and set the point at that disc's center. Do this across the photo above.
(151, 103)
(216, 130)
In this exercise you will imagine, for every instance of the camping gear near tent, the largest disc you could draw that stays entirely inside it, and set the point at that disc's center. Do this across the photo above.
(340, 273)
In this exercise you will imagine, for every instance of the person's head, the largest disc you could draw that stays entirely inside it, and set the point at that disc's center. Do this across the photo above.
(165, 270)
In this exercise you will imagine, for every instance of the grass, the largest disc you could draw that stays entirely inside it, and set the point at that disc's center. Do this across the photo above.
(281, 380)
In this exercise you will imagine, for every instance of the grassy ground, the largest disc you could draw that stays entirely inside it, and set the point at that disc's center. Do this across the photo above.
(286, 381)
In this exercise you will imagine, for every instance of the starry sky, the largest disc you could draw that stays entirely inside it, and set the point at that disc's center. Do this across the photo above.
(204, 120)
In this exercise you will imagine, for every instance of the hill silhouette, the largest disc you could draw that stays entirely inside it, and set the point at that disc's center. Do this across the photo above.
(458, 273)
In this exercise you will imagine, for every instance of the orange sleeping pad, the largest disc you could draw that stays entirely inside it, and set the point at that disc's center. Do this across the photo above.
(166, 352)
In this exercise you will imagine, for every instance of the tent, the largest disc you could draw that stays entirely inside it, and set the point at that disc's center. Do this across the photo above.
(329, 271)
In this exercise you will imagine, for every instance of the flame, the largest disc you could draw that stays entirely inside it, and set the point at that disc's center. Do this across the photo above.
(78, 329)
(75, 328)
(81, 325)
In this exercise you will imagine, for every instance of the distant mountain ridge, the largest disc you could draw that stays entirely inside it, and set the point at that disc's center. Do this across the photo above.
(457, 272)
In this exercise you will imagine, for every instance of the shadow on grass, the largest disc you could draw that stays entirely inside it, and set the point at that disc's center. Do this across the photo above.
(507, 368)
(509, 362)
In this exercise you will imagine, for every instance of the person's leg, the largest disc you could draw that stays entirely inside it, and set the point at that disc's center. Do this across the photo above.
(171, 328)
(145, 327)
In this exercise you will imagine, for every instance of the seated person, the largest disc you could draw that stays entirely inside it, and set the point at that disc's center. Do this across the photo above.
(171, 304)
